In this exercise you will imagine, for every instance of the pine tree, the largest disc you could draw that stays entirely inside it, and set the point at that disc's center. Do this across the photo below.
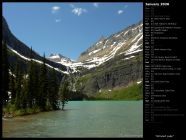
(43, 85)
(24, 93)
(53, 90)
(5, 74)
(18, 86)
(30, 82)
(29, 86)
(35, 77)
(64, 92)
(12, 89)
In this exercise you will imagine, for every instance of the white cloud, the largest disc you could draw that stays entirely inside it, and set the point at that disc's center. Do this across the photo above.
(96, 5)
(55, 9)
(78, 11)
(120, 12)
(57, 20)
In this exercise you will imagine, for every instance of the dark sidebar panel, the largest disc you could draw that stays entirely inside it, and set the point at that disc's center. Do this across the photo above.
(164, 73)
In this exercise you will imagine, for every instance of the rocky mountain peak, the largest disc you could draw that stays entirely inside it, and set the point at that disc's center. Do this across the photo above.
(116, 43)
(59, 58)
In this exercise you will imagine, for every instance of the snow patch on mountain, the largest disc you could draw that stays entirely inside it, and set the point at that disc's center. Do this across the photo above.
(104, 47)
(54, 56)
(118, 35)
(134, 47)
(28, 59)
(113, 44)
(95, 51)
(133, 52)
(99, 42)
(129, 57)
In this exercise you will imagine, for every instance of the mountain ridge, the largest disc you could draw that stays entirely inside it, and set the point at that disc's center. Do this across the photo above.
(22, 49)
(127, 42)
(114, 61)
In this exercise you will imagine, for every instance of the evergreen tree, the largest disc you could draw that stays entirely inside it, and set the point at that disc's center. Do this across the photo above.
(53, 90)
(30, 88)
(64, 92)
(35, 77)
(5, 74)
(24, 93)
(43, 85)
(12, 89)
(18, 86)
(32, 84)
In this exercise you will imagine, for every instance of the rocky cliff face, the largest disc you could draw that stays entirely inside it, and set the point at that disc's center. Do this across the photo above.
(117, 61)
(117, 72)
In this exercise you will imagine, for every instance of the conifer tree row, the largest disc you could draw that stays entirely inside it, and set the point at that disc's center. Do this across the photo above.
(64, 92)
(53, 90)
(5, 74)
(37, 87)
(18, 86)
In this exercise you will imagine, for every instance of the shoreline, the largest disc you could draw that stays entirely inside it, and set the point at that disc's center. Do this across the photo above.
(8, 115)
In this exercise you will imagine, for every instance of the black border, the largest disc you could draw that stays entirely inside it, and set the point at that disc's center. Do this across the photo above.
(172, 126)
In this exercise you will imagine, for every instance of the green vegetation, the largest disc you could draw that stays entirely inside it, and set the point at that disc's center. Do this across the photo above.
(5, 74)
(96, 78)
(81, 81)
(63, 92)
(43, 90)
(11, 111)
(85, 78)
(132, 92)
(53, 90)
(36, 89)
(29, 90)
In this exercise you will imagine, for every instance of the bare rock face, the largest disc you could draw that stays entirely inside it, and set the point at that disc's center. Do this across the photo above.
(114, 73)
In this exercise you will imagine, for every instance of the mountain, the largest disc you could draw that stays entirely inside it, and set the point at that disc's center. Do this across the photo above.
(21, 50)
(59, 58)
(126, 42)
(111, 63)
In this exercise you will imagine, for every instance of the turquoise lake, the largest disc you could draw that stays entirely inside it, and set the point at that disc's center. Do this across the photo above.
(81, 119)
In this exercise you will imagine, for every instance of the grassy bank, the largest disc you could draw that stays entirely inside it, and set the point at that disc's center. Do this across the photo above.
(132, 92)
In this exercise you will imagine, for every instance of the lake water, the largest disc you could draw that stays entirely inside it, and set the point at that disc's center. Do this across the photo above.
(81, 119)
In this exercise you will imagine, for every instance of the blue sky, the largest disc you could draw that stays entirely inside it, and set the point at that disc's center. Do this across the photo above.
(68, 28)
